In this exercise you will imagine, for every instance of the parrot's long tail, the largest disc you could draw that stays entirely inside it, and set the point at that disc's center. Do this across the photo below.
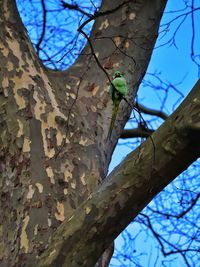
(113, 119)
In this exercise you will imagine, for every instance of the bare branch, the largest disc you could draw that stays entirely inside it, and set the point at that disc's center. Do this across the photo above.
(161, 240)
(43, 27)
(178, 215)
(193, 202)
(100, 14)
(150, 111)
(75, 7)
(138, 132)
(94, 55)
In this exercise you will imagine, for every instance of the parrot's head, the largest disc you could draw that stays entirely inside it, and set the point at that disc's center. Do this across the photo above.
(117, 74)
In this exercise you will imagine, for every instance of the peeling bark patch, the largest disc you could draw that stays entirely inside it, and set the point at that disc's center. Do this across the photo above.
(127, 44)
(39, 187)
(52, 252)
(65, 191)
(68, 173)
(49, 222)
(95, 90)
(60, 215)
(85, 141)
(30, 192)
(93, 108)
(82, 178)
(20, 131)
(132, 16)
(73, 96)
(68, 87)
(5, 84)
(117, 41)
(87, 210)
(26, 145)
(36, 229)
(67, 95)
(60, 137)
(116, 65)
(104, 25)
(24, 242)
(50, 174)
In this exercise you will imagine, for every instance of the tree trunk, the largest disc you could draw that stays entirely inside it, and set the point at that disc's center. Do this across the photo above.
(54, 124)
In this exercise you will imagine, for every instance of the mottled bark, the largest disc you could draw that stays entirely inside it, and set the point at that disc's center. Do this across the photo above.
(54, 124)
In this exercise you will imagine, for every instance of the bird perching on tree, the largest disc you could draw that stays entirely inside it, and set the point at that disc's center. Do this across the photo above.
(117, 90)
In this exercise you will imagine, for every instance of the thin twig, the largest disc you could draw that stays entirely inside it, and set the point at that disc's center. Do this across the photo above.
(43, 27)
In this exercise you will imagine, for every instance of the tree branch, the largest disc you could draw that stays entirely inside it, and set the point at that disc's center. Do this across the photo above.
(75, 7)
(138, 132)
(127, 190)
(43, 27)
(104, 13)
(181, 214)
(150, 111)
(161, 240)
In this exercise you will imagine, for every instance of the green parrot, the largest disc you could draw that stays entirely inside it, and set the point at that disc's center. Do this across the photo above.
(118, 90)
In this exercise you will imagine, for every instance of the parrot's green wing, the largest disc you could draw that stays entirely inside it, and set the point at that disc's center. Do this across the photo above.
(117, 90)
(120, 85)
